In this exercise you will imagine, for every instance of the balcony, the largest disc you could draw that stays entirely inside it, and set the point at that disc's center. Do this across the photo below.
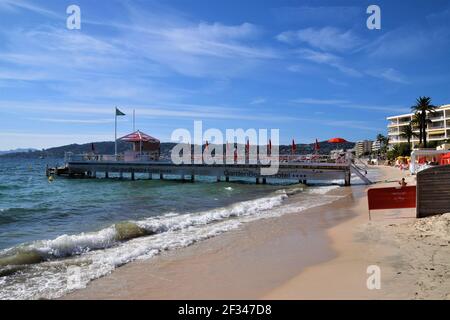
(437, 116)
(436, 137)
(436, 126)
(392, 124)
(393, 131)
(398, 140)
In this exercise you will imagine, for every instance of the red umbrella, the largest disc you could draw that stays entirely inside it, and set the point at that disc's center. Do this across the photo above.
(337, 140)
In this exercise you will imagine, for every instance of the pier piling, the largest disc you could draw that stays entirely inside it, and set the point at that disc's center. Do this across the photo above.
(347, 178)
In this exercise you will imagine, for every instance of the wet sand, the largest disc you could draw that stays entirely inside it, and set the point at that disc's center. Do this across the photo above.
(241, 264)
(319, 253)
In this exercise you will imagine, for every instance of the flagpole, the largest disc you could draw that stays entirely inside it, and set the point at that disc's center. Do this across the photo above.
(115, 133)
(134, 121)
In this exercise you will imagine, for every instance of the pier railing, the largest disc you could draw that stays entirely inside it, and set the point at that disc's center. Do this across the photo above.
(260, 159)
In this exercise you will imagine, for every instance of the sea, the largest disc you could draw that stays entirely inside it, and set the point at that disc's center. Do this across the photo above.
(58, 235)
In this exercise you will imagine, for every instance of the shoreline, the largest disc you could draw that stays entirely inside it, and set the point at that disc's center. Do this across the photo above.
(345, 276)
(319, 253)
(238, 264)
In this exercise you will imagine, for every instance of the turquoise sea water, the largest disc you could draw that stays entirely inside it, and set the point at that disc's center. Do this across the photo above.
(99, 224)
(31, 208)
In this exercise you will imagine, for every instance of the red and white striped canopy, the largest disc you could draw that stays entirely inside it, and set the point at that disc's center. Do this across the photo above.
(139, 136)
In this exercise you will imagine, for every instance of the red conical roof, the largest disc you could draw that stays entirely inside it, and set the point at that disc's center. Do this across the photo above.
(139, 136)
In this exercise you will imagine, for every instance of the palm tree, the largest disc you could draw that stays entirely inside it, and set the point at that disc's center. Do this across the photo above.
(422, 107)
(384, 149)
(408, 133)
(417, 121)
(384, 141)
(380, 137)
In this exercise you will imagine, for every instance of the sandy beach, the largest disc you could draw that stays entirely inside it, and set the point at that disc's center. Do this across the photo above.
(319, 253)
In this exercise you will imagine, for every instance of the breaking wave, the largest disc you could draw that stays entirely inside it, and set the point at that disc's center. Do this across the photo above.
(39, 269)
(69, 245)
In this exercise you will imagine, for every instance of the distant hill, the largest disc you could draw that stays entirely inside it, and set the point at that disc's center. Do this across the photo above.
(107, 147)
(19, 150)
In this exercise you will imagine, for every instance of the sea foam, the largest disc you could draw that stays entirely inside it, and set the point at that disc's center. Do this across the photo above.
(97, 254)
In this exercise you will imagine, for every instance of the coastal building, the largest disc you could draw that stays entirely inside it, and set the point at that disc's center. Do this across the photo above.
(363, 147)
(376, 146)
(438, 129)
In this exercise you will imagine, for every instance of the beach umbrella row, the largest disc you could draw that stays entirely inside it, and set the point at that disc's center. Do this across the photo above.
(336, 141)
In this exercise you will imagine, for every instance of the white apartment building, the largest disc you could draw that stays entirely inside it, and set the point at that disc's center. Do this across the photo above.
(376, 146)
(438, 129)
(362, 147)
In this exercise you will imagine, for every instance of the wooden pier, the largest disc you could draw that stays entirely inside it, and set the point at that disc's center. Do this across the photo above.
(300, 171)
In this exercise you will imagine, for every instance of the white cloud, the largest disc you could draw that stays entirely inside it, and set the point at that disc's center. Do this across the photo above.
(22, 75)
(342, 103)
(258, 101)
(40, 140)
(338, 82)
(15, 5)
(77, 121)
(314, 15)
(320, 101)
(161, 111)
(202, 50)
(328, 59)
(389, 74)
(411, 42)
(326, 39)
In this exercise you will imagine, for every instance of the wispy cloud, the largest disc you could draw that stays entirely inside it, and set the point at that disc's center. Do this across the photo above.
(402, 43)
(161, 111)
(326, 39)
(77, 121)
(320, 101)
(258, 101)
(37, 139)
(320, 14)
(389, 74)
(16, 5)
(342, 103)
(337, 82)
(328, 59)
(22, 75)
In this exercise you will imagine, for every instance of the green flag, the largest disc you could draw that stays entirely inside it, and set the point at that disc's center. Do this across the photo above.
(119, 113)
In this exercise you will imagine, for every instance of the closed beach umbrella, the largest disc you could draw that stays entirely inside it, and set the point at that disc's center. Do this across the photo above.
(294, 147)
(316, 146)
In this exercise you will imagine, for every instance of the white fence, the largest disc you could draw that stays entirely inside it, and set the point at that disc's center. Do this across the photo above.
(228, 159)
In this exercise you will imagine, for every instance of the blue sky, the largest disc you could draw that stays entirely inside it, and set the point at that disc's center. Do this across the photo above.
(310, 68)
